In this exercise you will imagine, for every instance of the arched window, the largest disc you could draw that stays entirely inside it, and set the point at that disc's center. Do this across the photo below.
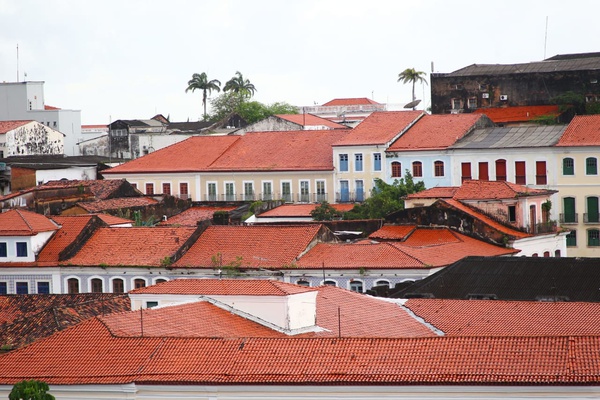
(396, 169)
(592, 214)
(557, 253)
(73, 285)
(568, 166)
(139, 283)
(569, 215)
(159, 280)
(118, 285)
(382, 282)
(546, 254)
(356, 286)
(417, 169)
(330, 282)
(534, 255)
(302, 282)
(96, 285)
(438, 167)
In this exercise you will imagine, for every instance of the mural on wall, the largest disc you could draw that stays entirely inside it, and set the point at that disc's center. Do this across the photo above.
(35, 138)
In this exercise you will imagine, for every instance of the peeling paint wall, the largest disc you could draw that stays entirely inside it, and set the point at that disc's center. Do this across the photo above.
(33, 139)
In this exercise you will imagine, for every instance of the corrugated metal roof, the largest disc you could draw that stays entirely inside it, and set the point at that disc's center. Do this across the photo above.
(511, 137)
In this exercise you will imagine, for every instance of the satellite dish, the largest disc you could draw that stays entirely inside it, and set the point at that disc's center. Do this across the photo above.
(412, 104)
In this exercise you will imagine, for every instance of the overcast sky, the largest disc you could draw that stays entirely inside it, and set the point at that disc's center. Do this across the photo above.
(131, 59)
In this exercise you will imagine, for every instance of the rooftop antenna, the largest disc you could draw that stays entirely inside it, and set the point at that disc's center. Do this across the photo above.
(17, 62)
(546, 37)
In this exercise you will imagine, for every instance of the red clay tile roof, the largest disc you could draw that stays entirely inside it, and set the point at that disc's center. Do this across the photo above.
(310, 120)
(111, 220)
(583, 130)
(26, 318)
(300, 210)
(70, 229)
(422, 248)
(492, 190)
(508, 318)
(194, 154)
(135, 246)
(517, 113)
(24, 223)
(392, 232)
(438, 192)
(306, 150)
(362, 254)
(380, 128)
(353, 101)
(100, 188)
(89, 354)
(47, 107)
(231, 287)
(359, 315)
(7, 126)
(198, 319)
(487, 220)
(258, 246)
(435, 132)
(193, 215)
(439, 247)
(116, 204)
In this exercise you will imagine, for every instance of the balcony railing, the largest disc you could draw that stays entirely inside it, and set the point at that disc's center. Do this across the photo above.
(569, 218)
(350, 197)
(591, 218)
(286, 197)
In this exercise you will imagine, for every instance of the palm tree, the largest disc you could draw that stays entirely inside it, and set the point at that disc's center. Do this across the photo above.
(239, 85)
(201, 82)
(412, 75)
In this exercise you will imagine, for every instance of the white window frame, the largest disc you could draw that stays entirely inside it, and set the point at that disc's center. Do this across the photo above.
(304, 197)
(66, 283)
(179, 194)
(110, 282)
(249, 196)
(340, 162)
(362, 283)
(162, 183)
(146, 188)
(7, 285)
(290, 194)
(208, 194)
(362, 162)
(132, 281)
(49, 281)
(264, 195)
(380, 162)
(225, 193)
(89, 283)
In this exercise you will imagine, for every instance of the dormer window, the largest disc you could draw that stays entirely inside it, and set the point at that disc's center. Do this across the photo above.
(21, 249)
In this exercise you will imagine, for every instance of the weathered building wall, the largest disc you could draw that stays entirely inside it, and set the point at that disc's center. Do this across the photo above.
(33, 139)
(22, 178)
(509, 90)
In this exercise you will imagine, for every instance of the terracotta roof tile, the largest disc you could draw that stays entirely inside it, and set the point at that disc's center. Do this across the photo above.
(70, 228)
(100, 188)
(584, 130)
(26, 318)
(436, 132)
(306, 150)
(354, 101)
(487, 220)
(258, 246)
(135, 246)
(300, 210)
(310, 120)
(89, 354)
(517, 113)
(193, 215)
(111, 220)
(440, 247)
(492, 190)
(437, 192)
(392, 232)
(24, 223)
(7, 126)
(509, 318)
(194, 154)
(380, 128)
(116, 204)
(357, 255)
(237, 287)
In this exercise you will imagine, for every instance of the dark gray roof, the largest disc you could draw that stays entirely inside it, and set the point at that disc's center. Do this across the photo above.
(53, 160)
(563, 63)
(513, 278)
(511, 137)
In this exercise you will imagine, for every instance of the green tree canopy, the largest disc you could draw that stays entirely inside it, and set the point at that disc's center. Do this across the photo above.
(240, 86)
(201, 82)
(410, 75)
(385, 198)
(30, 390)
(228, 103)
(325, 212)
